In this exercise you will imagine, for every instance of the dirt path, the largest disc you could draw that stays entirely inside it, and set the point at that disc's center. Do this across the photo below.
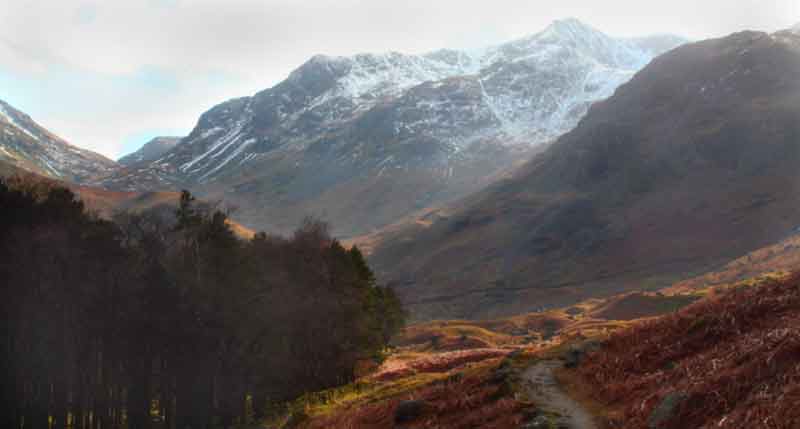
(545, 391)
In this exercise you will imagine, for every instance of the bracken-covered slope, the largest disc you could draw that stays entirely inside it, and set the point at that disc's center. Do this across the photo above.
(151, 150)
(690, 164)
(724, 362)
(365, 140)
(27, 145)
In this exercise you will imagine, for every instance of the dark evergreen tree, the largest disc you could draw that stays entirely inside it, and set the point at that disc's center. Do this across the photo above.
(168, 320)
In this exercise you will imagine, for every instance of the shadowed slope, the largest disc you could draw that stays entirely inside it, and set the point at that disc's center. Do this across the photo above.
(692, 163)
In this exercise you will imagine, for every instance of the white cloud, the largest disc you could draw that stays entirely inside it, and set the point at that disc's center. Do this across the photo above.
(254, 44)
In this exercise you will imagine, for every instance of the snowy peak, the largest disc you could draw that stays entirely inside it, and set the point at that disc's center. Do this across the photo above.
(20, 121)
(393, 72)
(795, 29)
(571, 29)
(320, 73)
(372, 76)
(27, 145)
(448, 119)
(583, 40)
(527, 91)
(573, 25)
(368, 78)
(716, 114)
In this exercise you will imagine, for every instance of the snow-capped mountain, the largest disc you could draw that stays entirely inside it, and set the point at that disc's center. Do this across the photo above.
(365, 140)
(698, 153)
(150, 151)
(27, 145)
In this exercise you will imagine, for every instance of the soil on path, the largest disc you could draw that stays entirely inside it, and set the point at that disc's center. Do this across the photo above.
(545, 391)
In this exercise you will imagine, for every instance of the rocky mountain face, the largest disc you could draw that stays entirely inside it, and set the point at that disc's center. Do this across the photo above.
(689, 165)
(151, 150)
(25, 144)
(366, 140)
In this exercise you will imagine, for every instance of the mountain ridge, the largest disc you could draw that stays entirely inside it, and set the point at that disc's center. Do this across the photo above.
(680, 170)
(150, 151)
(28, 145)
(389, 134)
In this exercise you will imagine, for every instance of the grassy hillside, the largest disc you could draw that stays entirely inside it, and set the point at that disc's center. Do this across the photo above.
(467, 373)
(451, 365)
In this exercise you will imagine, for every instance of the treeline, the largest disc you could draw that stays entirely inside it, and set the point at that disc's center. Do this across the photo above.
(165, 319)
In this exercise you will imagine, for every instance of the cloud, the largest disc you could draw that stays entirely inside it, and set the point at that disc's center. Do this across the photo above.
(101, 71)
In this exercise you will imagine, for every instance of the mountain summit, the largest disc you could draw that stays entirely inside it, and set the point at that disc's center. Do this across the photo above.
(366, 140)
(27, 145)
(690, 164)
(151, 150)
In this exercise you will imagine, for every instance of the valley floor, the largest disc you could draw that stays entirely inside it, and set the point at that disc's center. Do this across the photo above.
(510, 373)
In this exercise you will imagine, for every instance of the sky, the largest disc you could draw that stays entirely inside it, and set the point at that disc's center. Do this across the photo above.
(108, 75)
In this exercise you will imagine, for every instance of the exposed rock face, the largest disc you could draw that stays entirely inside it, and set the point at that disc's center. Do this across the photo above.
(366, 140)
(151, 150)
(690, 164)
(27, 145)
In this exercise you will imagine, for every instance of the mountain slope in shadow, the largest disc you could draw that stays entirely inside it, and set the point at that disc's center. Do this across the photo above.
(692, 163)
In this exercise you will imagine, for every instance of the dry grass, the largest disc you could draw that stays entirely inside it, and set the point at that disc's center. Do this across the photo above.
(734, 356)
(591, 318)
(107, 202)
(771, 261)
(638, 305)
(395, 369)
(448, 364)
(474, 399)
(402, 375)
(449, 335)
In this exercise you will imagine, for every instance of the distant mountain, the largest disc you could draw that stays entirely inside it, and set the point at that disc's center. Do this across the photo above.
(151, 150)
(27, 145)
(689, 165)
(108, 203)
(365, 140)
(796, 28)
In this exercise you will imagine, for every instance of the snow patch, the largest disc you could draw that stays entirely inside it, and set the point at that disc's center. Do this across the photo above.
(238, 151)
(527, 91)
(5, 114)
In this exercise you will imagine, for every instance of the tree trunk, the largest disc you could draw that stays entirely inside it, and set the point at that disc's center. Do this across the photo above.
(139, 399)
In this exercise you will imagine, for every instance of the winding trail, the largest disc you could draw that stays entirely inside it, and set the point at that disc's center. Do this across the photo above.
(545, 391)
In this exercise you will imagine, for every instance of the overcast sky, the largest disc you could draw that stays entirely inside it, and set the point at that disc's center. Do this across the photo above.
(108, 75)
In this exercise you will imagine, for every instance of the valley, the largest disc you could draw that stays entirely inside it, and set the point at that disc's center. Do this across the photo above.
(561, 229)
(552, 368)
